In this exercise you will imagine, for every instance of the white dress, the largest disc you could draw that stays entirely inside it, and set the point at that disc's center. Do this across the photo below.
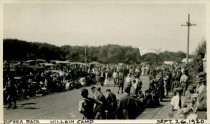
(106, 79)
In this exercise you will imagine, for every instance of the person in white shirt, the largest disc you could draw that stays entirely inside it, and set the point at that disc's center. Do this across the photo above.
(202, 88)
(184, 81)
(106, 78)
(115, 77)
(177, 102)
(82, 81)
(128, 81)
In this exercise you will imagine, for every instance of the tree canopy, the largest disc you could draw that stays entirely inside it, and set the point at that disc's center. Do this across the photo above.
(200, 52)
(14, 49)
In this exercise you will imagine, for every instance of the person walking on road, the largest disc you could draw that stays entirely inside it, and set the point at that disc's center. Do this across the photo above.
(128, 82)
(115, 77)
(120, 82)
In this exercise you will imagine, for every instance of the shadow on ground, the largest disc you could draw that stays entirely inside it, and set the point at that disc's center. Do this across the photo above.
(29, 105)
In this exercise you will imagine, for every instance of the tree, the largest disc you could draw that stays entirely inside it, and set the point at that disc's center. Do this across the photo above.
(200, 52)
(21, 50)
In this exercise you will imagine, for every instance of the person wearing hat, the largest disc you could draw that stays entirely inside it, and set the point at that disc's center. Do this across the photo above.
(177, 102)
(86, 105)
(202, 84)
(202, 95)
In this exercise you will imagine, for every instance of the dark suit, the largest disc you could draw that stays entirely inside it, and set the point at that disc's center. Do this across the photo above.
(111, 105)
(126, 108)
(101, 112)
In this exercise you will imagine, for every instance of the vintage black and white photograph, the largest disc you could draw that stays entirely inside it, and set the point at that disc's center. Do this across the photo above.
(104, 60)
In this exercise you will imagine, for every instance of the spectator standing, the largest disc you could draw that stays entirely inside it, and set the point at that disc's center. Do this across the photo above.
(100, 114)
(128, 82)
(115, 77)
(126, 107)
(120, 82)
(184, 81)
(202, 95)
(175, 84)
(111, 104)
(11, 89)
(160, 86)
(86, 105)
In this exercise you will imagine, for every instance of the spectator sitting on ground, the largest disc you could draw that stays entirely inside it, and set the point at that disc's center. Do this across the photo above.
(140, 96)
(189, 110)
(192, 93)
(202, 96)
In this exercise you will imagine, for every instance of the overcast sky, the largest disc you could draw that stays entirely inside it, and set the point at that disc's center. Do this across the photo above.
(138, 25)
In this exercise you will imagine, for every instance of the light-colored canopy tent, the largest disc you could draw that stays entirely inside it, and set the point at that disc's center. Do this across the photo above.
(185, 60)
(143, 51)
(169, 62)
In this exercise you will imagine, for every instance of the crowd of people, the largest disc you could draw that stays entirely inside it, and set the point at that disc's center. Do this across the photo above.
(165, 79)
(193, 104)
(23, 83)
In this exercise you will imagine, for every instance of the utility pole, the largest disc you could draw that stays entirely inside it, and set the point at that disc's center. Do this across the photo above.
(188, 24)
